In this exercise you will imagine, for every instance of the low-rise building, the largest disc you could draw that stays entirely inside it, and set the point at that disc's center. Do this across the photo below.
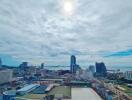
(27, 89)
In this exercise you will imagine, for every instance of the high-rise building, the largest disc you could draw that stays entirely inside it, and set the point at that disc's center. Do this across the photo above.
(101, 69)
(73, 65)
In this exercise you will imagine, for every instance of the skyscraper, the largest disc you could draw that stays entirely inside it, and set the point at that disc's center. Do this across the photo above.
(101, 69)
(73, 64)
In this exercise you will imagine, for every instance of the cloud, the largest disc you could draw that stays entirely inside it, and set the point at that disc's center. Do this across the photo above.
(38, 31)
(121, 54)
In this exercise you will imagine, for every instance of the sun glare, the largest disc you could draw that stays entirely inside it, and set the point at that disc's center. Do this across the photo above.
(68, 7)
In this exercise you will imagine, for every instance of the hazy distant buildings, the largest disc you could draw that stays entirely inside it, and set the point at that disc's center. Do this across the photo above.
(73, 65)
(6, 76)
(92, 69)
(101, 69)
(42, 66)
(128, 75)
(24, 65)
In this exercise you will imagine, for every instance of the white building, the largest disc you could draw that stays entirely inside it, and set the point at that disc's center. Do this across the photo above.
(128, 75)
(84, 74)
(6, 76)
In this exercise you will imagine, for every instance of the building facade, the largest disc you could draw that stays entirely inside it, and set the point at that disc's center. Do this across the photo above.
(101, 69)
(6, 76)
(73, 64)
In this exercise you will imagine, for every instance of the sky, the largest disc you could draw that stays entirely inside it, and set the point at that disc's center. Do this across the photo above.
(50, 31)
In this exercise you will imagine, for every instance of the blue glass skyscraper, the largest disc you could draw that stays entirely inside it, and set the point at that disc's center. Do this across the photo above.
(73, 64)
(101, 69)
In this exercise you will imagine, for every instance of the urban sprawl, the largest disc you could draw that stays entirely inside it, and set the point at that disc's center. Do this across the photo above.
(97, 82)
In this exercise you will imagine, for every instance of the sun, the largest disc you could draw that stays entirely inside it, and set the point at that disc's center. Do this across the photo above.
(68, 7)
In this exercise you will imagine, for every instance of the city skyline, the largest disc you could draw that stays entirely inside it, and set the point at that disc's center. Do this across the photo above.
(50, 31)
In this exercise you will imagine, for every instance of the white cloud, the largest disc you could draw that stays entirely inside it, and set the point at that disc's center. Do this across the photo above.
(37, 31)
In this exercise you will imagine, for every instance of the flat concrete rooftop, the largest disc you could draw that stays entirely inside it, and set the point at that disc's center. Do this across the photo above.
(84, 94)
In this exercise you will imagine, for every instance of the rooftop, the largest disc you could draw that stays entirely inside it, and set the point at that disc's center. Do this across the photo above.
(31, 97)
(79, 93)
(28, 87)
(36, 94)
(61, 90)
